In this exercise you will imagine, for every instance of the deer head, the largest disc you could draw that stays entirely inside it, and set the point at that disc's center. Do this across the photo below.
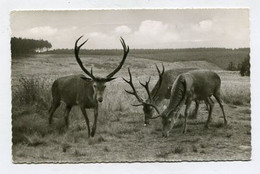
(148, 104)
(99, 83)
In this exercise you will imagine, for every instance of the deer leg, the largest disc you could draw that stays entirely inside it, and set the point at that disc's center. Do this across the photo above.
(66, 115)
(195, 112)
(188, 104)
(86, 117)
(95, 122)
(211, 104)
(207, 106)
(53, 108)
(221, 106)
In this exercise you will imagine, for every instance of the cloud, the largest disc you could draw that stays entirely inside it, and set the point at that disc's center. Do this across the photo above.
(203, 26)
(123, 29)
(155, 33)
(43, 30)
(152, 27)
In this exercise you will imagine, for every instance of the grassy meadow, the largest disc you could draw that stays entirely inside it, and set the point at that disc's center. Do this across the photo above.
(120, 135)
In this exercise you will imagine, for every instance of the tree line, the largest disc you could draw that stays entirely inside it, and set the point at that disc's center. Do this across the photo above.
(140, 51)
(243, 67)
(21, 46)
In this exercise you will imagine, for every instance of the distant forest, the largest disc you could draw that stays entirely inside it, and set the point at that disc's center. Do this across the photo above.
(222, 57)
(20, 46)
(139, 51)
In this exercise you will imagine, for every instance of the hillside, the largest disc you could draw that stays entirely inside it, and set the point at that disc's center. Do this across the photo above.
(218, 56)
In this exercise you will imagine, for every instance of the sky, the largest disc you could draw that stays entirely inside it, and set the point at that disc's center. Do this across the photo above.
(153, 29)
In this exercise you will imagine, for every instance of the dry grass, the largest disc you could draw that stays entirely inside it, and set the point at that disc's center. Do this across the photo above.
(120, 133)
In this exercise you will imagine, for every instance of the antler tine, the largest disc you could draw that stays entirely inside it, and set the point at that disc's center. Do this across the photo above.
(141, 104)
(126, 51)
(123, 43)
(160, 79)
(130, 82)
(91, 71)
(76, 52)
(146, 86)
(161, 74)
(76, 43)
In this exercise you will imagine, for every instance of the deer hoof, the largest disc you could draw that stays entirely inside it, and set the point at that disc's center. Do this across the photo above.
(225, 123)
(92, 134)
(192, 117)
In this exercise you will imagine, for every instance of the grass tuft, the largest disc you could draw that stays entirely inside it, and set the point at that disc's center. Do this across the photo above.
(194, 148)
(178, 149)
(96, 140)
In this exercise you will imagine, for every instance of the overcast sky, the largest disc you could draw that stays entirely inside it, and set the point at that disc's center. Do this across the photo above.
(188, 28)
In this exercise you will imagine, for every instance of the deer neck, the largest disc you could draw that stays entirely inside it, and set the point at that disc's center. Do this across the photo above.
(157, 101)
(177, 95)
(90, 94)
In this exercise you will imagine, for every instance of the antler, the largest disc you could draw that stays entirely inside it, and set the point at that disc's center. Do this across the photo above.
(146, 86)
(76, 52)
(160, 80)
(142, 102)
(130, 82)
(126, 51)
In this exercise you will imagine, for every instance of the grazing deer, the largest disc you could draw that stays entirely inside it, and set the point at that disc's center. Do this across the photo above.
(80, 90)
(194, 85)
(161, 91)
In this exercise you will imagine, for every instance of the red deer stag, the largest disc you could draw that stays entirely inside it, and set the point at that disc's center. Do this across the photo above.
(194, 85)
(80, 90)
(161, 91)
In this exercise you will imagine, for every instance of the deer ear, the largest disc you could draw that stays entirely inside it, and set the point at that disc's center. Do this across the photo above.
(86, 78)
(168, 92)
(110, 79)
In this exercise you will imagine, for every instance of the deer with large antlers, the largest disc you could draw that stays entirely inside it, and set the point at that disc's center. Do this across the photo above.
(83, 91)
(161, 91)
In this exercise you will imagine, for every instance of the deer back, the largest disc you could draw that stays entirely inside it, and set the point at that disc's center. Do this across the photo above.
(168, 79)
(201, 84)
(73, 90)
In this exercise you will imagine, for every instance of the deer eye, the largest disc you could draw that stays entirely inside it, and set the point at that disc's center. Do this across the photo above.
(169, 120)
(95, 86)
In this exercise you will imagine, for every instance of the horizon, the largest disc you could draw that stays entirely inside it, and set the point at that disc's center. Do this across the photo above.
(51, 49)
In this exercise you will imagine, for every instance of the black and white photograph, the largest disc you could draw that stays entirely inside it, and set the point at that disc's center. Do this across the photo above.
(130, 85)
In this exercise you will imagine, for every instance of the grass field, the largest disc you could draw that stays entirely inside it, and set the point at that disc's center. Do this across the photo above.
(120, 133)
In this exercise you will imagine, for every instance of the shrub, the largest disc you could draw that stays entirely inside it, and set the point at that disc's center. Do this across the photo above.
(245, 67)
(31, 91)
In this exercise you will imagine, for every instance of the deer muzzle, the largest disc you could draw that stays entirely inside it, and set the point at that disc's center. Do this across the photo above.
(146, 123)
(100, 99)
(165, 134)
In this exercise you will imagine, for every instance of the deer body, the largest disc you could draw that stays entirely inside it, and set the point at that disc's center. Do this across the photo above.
(164, 92)
(194, 85)
(73, 90)
(80, 90)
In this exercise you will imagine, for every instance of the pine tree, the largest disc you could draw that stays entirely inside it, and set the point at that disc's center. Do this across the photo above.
(245, 67)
